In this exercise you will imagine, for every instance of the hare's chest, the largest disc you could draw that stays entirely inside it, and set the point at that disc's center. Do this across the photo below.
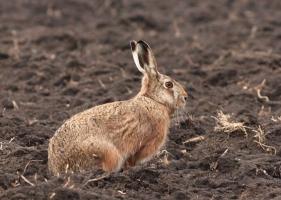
(159, 126)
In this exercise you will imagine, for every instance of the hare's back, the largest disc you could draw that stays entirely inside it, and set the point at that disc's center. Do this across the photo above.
(103, 119)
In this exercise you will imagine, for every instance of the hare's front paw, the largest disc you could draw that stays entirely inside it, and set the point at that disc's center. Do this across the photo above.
(130, 162)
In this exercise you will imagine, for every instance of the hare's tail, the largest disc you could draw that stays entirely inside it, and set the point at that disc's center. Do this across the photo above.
(52, 159)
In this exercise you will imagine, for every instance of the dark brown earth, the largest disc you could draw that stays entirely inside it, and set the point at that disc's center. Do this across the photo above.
(60, 57)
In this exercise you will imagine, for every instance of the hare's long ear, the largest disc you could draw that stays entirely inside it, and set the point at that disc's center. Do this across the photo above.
(144, 58)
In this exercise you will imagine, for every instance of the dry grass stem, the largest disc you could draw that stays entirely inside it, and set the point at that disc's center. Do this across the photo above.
(32, 121)
(263, 171)
(28, 163)
(183, 151)
(276, 119)
(253, 32)
(2, 144)
(226, 125)
(67, 182)
(260, 140)
(52, 195)
(15, 105)
(121, 192)
(194, 139)
(66, 168)
(224, 153)
(15, 183)
(26, 180)
(123, 73)
(129, 90)
(264, 112)
(177, 29)
(16, 49)
(258, 88)
(11, 140)
(101, 84)
(35, 177)
(165, 160)
(3, 112)
(260, 135)
(214, 165)
(97, 179)
(165, 154)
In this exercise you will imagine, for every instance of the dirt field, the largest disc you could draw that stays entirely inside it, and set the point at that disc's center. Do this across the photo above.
(60, 57)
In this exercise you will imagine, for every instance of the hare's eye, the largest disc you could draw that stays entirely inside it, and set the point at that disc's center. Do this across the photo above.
(169, 84)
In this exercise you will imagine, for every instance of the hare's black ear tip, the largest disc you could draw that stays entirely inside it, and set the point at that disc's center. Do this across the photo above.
(143, 43)
(133, 44)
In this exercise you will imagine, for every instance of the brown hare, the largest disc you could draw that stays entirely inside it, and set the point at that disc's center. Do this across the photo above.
(120, 133)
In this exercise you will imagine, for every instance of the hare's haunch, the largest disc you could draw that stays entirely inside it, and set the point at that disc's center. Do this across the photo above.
(130, 132)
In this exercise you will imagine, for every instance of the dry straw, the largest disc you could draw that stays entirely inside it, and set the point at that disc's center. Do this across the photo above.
(260, 140)
(226, 125)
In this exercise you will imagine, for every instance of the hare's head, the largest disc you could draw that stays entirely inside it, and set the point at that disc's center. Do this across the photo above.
(159, 87)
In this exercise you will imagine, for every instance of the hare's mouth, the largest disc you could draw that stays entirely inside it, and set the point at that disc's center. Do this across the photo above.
(181, 102)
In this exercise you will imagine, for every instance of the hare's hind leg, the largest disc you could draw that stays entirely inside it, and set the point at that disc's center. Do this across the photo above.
(145, 153)
(112, 160)
(108, 155)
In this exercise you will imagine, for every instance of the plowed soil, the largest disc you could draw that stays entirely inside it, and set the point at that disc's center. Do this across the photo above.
(58, 58)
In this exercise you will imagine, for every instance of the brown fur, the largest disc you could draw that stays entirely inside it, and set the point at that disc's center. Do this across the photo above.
(109, 135)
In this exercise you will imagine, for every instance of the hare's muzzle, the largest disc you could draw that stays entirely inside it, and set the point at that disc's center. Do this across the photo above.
(181, 102)
(184, 99)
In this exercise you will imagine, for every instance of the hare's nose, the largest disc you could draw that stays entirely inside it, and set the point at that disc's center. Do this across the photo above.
(185, 98)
